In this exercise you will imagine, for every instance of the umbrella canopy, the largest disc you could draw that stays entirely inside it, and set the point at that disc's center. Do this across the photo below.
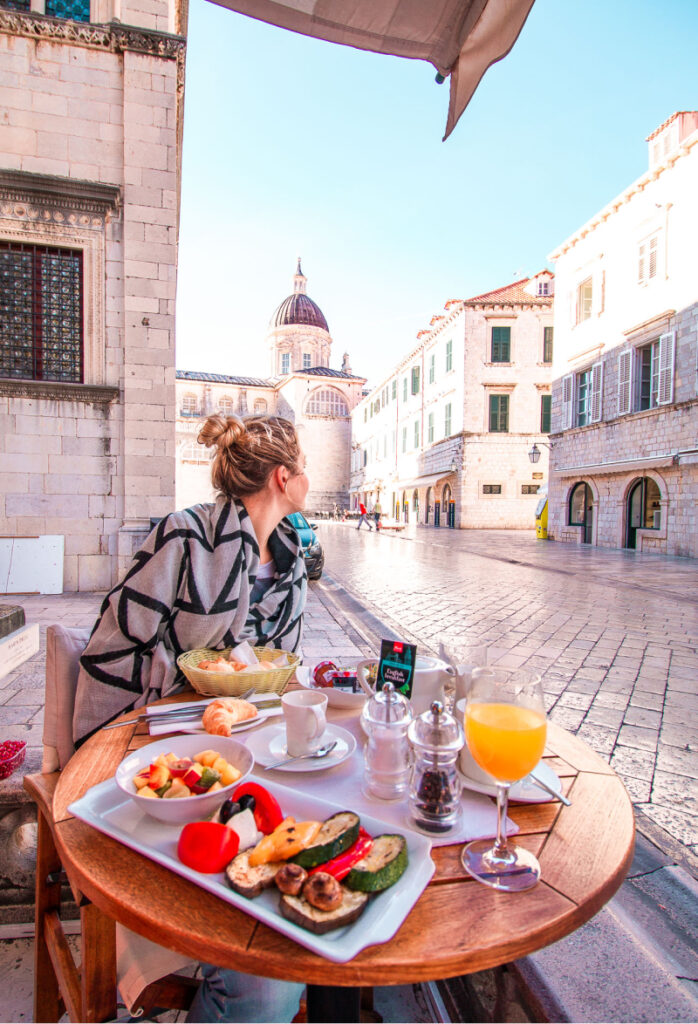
(461, 38)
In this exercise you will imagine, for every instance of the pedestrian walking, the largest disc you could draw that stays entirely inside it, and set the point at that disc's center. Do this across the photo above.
(377, 514)
(363, 518)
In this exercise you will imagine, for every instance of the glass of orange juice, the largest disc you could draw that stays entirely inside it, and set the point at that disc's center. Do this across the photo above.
(505, 731)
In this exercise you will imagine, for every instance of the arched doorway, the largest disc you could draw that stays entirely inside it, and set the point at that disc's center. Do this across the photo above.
(415, 505)
(427, 506)
(581, 510)
(449, 506)
(643, 509)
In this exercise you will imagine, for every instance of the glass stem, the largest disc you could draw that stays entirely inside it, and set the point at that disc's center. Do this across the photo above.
(500, 847)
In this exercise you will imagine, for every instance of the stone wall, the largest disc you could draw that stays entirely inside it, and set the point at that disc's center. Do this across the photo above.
(90, 162)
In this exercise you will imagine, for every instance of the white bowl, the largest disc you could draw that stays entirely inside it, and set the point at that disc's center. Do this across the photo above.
(335, 698)
(185, 808)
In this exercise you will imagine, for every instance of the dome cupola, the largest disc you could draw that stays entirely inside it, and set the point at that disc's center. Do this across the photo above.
(298, 308)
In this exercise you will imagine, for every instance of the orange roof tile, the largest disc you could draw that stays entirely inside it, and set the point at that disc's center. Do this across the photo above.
(510, 295)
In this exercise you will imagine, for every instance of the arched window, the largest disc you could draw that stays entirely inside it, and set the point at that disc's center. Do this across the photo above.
(190, 405)
(260, 406)
(193, 452)
(326, 403)
(226, 405)
(581, 509)
(644, 509)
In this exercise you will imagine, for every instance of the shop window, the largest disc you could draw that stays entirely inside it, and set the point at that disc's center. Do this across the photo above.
(501, 345)
(499, 414)
(580, 510)
(644, 509)
(41, 313)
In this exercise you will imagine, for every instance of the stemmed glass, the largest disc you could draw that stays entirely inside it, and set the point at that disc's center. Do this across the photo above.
(505, 731)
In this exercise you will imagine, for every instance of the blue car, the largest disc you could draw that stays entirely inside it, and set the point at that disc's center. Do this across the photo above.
(312, 548)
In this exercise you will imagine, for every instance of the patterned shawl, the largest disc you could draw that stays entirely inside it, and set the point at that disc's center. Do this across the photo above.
(189, 586)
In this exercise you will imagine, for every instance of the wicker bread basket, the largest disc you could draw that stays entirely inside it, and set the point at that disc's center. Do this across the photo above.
(225, 684)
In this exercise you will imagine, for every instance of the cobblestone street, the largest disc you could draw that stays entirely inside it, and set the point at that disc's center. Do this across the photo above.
(614, 633)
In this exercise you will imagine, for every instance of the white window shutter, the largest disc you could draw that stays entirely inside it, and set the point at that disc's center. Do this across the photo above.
(641, 264)
(596, 392)
(625, 363)
(567, 400)
(665, 389)
(652, 262)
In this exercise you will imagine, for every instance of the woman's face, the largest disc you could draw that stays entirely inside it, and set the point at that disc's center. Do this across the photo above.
(297, 487)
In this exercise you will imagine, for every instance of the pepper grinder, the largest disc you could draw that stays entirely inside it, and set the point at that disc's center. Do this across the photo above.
(435, 787)
(385, 718)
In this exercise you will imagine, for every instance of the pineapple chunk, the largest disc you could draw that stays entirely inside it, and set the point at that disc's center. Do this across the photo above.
(214, 787)
(207, 757)
(142, 778)
(229, 774)
(147, 791)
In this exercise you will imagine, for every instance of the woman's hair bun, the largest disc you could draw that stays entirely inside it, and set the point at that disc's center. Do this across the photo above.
(222, 431)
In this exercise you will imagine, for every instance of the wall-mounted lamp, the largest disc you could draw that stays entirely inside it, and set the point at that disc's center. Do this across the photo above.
(454, 465)
(535, 452)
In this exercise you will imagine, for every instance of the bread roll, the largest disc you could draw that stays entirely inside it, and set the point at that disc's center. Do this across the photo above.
(225, 712)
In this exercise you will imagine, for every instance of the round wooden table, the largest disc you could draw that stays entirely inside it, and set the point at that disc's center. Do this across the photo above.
(458, 926)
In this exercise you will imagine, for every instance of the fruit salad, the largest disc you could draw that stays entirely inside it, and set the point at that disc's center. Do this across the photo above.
(169, 776)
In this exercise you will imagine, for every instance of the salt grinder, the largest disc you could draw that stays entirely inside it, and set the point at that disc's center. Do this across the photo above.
(386, 717)
(435, 786)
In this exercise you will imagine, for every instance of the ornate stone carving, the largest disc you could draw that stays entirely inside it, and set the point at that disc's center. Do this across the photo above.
(28, 196)
(114, 37)
(58, 391)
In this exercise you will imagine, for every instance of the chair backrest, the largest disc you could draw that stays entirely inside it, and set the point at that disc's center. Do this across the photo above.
(64, 646)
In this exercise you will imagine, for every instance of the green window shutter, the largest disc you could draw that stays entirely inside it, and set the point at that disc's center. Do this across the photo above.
(432, 368)
(547, 344)
(404, 390)
(499, 414)
(545, 402)
(415, 380)
(394, 392)
(416, 433)
(431, 427)
(449, 356)
(447, 421)
(501, 344)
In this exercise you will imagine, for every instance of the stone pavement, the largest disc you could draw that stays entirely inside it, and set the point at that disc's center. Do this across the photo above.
(615, 634)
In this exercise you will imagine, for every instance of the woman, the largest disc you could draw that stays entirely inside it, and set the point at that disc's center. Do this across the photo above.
(210, 576)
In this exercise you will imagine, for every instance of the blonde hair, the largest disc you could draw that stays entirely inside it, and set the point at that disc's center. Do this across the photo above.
(249, 449)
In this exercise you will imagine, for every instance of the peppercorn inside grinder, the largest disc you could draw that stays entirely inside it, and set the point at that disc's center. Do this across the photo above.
(435, 785)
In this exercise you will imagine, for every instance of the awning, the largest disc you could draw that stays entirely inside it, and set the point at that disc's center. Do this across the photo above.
(420, 481)
(461, 38)
(621, 466)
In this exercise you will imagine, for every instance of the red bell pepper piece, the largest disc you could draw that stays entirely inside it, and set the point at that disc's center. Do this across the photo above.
(267, 813)
(207, 846)
(340, 866)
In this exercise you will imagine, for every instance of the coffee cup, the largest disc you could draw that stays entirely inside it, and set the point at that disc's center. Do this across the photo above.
(304, 713)
(466, 762)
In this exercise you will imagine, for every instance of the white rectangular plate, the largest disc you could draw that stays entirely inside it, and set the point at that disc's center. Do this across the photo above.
(107, 809)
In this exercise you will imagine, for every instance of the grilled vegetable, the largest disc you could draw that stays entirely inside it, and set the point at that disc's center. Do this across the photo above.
(264, 806)
(290, 879)
(298, 910)
(339, 867)
(381, 867)
(207, 846)
(323, 891)
(285, 841)
(336, 835)
(249, 881)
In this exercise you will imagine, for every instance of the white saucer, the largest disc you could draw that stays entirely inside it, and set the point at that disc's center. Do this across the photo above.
(525, 791)
(335, 698)
(269, 745)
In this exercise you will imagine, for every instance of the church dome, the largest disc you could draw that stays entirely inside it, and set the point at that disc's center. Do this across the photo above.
(299, 308)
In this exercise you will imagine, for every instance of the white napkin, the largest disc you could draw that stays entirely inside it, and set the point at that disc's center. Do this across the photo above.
(139, 962)
(193, 725)
(342, 785)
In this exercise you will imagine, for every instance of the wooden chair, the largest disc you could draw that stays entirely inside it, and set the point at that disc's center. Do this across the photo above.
(87, 992)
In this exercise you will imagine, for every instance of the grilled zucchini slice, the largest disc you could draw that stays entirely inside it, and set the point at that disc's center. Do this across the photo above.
(298, 910)
(336, 835)
(385, 862)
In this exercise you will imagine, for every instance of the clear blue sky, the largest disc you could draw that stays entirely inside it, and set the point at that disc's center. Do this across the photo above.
(293, 146)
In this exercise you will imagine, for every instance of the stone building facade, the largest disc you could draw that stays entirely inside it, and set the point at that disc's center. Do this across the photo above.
(89, 195)
(302, 388)
(444, 439)
(624, 470)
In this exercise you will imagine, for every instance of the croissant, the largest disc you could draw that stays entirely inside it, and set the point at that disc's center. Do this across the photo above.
(222, 714)
(222, 665)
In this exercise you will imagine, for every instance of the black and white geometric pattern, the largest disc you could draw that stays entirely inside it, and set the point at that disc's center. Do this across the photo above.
(189, 586)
